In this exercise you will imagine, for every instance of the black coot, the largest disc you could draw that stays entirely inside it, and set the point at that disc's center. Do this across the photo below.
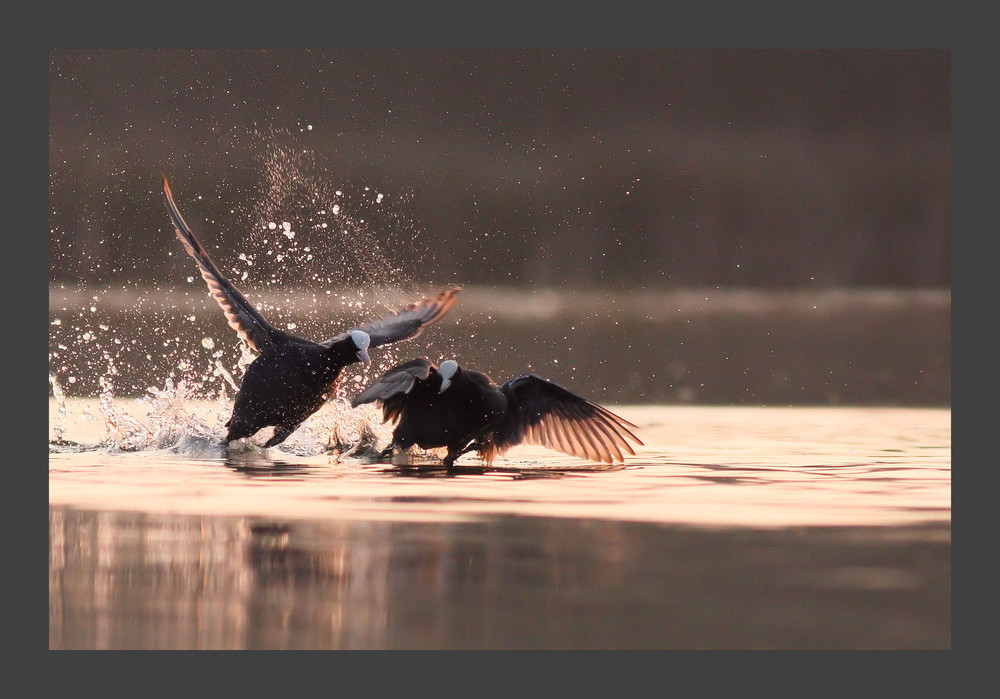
(292, 377)
(463, 410)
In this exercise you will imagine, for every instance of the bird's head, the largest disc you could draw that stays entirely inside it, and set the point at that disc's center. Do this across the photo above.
(361, 341)
(447, 369)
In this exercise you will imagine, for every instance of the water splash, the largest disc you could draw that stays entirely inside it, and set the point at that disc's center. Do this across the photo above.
(339, 431)
(224, 373)
(341, 234)
(305, 231)
(162, 420)
(178, 418)
(59, 426)
(172, 425)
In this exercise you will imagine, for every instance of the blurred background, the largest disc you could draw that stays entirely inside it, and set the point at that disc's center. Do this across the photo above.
(724, 226)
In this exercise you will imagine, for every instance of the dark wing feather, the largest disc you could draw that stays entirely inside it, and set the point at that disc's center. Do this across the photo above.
(406, 323)
(543, 413)
(242, 317)
(398, 381)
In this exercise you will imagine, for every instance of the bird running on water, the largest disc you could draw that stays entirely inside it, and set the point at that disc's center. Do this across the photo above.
(464, 410)
(291, 377)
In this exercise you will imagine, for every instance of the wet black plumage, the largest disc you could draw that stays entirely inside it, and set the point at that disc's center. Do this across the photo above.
(292, 377)
(472, 413)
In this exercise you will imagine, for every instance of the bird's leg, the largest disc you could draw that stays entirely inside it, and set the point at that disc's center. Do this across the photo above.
(280, 435)
(473, 446)
(455, 452)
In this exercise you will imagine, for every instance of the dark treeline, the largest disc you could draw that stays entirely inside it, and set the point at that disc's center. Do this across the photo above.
(607, 168)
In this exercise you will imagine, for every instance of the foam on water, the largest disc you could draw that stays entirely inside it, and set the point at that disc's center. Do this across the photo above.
(176, 420)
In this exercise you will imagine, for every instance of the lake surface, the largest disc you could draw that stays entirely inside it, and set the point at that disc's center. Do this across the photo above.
(732, 527)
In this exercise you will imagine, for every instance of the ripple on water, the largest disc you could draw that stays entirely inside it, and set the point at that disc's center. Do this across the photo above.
(700, 466)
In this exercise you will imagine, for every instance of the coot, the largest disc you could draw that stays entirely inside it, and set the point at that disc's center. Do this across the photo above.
(464, 410)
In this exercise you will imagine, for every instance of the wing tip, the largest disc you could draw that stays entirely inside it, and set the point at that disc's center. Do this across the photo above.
(431, 309)
(442, 302)
(167, 192)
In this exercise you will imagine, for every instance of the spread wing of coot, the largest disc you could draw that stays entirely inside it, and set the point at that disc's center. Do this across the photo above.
(545, 414)
(407, 323)
(242, 317)
(391, 389)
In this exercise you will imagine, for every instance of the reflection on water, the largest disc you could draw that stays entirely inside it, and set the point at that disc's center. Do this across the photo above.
(135, 580)
(731, 528)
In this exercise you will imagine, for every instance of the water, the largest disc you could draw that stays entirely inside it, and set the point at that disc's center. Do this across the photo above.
(733, 527)
(691, 346)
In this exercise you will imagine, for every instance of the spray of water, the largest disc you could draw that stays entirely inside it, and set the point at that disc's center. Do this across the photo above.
(306, 231)
(59, 424)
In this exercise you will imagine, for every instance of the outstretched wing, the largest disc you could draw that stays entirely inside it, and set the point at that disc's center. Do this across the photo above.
(406, 323)
(242, 317)
(392, 388)
(544, 413)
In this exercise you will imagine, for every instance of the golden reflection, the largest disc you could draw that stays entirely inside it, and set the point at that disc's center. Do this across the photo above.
(156, 581)
(120, 580)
